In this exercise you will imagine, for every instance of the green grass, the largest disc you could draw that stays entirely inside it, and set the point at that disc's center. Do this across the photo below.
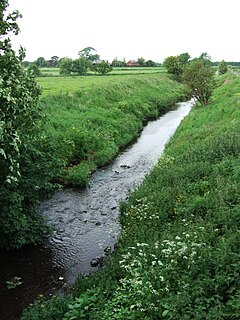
(178, 254)
(88, 127)
(56, 84)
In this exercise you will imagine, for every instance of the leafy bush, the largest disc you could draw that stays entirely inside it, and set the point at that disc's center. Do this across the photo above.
(22, 178)
(53, 309)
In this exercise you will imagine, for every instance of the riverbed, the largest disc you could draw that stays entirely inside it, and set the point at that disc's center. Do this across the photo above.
(85, 222)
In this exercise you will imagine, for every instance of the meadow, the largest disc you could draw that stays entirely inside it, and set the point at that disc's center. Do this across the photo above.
(115, 71)
(178, 253)
(89, 119)
(52, 83)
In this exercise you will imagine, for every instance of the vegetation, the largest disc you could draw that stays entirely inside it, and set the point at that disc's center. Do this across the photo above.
(199, 77)
(102, 67)
(175, 65)
(89, 127)
(197, 74)
(222, 67)
(178, 255)
(78, 66)
(22, 178)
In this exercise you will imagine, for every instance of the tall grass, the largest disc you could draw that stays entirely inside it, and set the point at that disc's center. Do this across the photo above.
(90, 126)
(178, 254)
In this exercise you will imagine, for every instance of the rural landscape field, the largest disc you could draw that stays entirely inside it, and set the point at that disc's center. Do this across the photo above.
(97, 224)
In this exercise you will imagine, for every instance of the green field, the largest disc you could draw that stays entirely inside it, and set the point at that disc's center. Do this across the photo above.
(89, 119)
(61, 84)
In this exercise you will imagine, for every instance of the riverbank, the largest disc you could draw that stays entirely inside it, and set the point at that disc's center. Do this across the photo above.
(178, 256)
(89, 127)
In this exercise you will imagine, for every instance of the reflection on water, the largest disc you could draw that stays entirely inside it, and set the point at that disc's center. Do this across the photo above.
(85, 222)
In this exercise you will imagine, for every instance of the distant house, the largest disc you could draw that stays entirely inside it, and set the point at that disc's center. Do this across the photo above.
(132, 63)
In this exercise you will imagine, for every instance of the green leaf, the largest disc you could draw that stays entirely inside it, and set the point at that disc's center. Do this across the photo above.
(165, 313)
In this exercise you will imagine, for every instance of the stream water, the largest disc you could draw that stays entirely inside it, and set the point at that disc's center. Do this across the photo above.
(85, 222)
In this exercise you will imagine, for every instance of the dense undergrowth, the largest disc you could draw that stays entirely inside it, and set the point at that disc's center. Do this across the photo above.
(89, 127)
(178, 254)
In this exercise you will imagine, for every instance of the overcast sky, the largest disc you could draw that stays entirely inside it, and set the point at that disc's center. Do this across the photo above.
(152, 29)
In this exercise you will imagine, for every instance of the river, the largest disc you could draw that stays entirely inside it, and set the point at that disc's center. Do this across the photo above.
(85, 222)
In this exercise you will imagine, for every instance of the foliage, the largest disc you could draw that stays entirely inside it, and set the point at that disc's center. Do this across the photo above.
(83, 307)
(91, 126)
(40, 62)
(118, 63)
(21, 177)
(184, 58)
(34, 69)
(222, 67)
(178, 254)
(81, 66)
(43, 309)
(65, 66)
(14, 282)
(141, 62)
(86, 53)
(174, 66)
(150, 63)
(102, 67)
(78, 66)
(199, 77)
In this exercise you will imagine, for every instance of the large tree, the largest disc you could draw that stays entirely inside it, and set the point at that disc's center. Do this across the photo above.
(22, 177)
(87, 53)
(199, 77)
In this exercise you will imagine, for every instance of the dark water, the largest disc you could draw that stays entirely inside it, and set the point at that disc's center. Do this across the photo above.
(85, 222)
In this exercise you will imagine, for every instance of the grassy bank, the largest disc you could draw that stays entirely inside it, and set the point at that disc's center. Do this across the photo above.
(88, 127)
(178, 255)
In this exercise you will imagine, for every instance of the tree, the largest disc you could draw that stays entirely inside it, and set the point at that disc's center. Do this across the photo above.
(150, 63)
(199, 77)
(174, 66)
(87, 54)
(118, 63)
(54, 61)
(102, 67)
(222, 67)
(66, 66)
(184, 58)
(205, 58)
(81, 66)
(34, 69)
(22, 177)
(141, 62)
(40, 62)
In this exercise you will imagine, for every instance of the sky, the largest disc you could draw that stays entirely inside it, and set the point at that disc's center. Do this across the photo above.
(130, 29)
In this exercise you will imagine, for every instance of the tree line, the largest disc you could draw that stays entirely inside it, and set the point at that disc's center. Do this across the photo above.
(198, 74)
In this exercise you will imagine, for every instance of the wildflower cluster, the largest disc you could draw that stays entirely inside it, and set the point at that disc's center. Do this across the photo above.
(141, 213)
(152, 271)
